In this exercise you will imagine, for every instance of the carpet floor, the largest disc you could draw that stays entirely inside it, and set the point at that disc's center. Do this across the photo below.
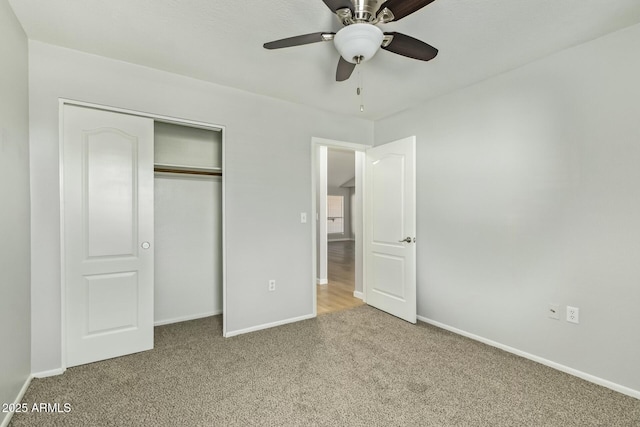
(358, 367)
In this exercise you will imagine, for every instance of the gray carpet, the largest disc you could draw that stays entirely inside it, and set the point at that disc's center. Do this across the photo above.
(359, 367)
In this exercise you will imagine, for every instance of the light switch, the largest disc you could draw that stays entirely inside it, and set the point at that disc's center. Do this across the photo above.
(303, 217)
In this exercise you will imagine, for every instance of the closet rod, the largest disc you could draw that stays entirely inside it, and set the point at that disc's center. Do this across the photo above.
(186, 171)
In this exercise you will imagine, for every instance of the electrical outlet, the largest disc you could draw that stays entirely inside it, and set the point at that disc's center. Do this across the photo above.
(272, 285)
(573, 314)
(554, 311)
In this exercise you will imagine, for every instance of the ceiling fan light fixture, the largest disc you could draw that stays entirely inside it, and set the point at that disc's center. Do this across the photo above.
(358, 42)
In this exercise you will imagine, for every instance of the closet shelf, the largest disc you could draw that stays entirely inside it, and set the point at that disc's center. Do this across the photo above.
(183, 169)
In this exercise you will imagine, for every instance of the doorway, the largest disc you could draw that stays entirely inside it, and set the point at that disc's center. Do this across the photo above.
(337, 231)
(338, 291)
(386, 175)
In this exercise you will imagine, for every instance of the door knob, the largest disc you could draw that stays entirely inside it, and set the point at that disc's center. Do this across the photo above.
(145, 245)
(408, 240)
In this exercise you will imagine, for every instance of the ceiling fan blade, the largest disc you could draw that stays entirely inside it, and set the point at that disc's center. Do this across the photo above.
(299, 40)
(345, 68)
(407, 46)
(335, 5)
(402, 8)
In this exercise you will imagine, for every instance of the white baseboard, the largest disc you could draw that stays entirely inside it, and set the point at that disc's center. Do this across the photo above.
(186, 318)
(346, 239)
(23, 390)
(50, 373)
(358, 295)
(566, 369)
(322, 281)
(268, 325)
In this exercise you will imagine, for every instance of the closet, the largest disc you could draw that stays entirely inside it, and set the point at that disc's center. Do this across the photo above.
(142, 228)
(188, 222)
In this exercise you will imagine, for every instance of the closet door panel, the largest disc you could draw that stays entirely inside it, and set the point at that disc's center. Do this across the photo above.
(110, 193)
(108, 234)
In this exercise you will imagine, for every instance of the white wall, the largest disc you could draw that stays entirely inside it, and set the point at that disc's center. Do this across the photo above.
(15, 330)
(267, 179)
(529, 194)
(187, 146)
(188, 247)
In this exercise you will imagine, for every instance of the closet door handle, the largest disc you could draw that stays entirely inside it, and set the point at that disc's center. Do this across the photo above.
(145, 245)
(406, 239)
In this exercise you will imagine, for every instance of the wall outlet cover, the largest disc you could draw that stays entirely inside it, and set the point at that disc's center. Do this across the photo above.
(573, 314)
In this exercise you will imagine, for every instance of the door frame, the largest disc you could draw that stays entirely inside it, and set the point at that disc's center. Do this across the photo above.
(316, 143)
(156, 117)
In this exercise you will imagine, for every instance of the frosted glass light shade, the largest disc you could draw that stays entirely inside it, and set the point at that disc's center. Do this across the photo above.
(358, 41)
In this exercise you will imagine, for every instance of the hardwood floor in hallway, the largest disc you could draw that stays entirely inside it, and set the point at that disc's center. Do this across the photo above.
(338, 293)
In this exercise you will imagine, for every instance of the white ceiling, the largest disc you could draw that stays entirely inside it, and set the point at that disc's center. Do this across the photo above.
(221, 41)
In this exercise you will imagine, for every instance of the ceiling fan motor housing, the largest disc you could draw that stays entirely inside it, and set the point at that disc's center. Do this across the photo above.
(365, 10)
(358, 42)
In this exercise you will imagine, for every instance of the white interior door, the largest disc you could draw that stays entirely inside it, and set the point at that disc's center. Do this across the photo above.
(108, 234)
(390, 228)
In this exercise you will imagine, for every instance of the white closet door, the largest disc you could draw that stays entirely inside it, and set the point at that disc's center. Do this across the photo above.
(108, 234)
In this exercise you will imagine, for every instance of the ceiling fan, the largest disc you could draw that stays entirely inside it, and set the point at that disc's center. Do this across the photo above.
(360, 38)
